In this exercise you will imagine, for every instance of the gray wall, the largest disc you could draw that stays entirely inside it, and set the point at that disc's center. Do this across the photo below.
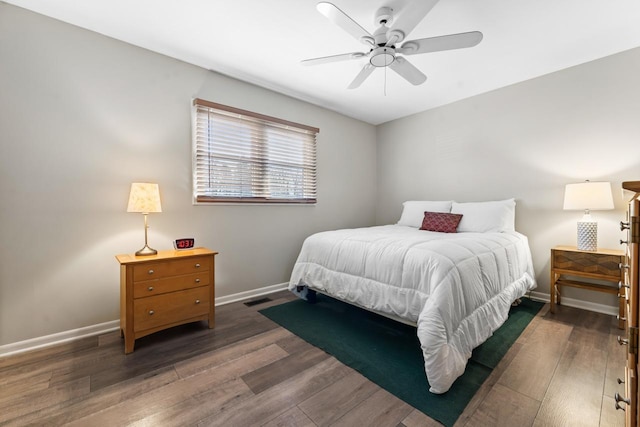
(81, 117)
(524, 141)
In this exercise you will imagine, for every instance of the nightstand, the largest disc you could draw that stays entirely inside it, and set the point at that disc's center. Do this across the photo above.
(593, 270)
(165, 290)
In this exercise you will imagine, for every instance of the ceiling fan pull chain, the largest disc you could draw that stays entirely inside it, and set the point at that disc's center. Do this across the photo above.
(385, 81)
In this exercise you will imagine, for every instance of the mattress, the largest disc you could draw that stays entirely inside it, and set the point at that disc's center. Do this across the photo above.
(456, 287)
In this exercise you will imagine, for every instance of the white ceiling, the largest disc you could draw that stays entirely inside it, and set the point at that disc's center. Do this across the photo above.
(263, 42)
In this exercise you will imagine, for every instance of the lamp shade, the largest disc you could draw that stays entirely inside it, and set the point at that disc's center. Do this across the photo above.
(588, 195)
(144, 198)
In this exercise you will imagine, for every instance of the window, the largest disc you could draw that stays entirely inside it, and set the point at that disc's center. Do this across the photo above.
(240, 156)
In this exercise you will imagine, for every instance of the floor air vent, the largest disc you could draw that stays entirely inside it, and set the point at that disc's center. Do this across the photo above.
(257, 301)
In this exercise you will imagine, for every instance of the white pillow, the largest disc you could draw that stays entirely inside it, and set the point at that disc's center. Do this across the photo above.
(483, 217)
(413, 211)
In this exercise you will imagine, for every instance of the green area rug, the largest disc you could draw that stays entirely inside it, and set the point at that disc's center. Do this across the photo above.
(389, 354)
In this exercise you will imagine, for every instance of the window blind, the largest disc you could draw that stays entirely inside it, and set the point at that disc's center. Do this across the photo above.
(241, 156)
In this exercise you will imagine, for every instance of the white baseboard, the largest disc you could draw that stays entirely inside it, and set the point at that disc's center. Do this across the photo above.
(241, 296)
(58, 338)
(76, 334)
(114, 325)
(576, 303)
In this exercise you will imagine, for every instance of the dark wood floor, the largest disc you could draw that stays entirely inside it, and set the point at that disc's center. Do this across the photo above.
(250, 372)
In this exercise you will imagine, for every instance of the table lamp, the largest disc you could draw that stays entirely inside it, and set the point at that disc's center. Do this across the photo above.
(144, 198)
(588, 196)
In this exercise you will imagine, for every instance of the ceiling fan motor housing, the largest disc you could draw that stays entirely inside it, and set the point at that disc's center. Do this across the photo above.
(383, 54)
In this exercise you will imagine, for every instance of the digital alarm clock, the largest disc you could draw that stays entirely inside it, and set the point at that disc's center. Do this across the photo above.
(186, 243)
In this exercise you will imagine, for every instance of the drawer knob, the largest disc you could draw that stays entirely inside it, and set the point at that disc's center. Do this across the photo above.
(624, 225)
(624, 319)
(197, 280)
(150, 271)
(620, 381)
(619, 399)
(197, 301)
(151, 312)
(622, 341)
(620, 285)
(621, 266)
(150, 288)
(623, 242)
(197, 265)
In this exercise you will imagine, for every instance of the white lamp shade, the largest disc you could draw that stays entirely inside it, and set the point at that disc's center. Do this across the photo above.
(588, 195)
(144, 198)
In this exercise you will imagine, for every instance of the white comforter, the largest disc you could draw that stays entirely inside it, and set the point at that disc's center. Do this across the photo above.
(457, 287)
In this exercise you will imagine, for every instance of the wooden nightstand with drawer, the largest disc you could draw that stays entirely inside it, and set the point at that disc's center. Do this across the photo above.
(165, 290)
(599, 271)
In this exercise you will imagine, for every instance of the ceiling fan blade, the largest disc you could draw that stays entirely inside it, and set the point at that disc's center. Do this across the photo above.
(411, 15)
(333, 58)
(408, 71)
(362, 76)
(436, 44)
(343, 20)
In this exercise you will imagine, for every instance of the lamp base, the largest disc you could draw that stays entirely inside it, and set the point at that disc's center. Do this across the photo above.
(146, 251)
(587, 236)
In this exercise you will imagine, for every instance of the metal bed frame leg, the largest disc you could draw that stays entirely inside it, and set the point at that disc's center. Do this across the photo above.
(306, 294)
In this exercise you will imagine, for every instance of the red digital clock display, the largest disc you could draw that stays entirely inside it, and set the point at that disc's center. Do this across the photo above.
(184, 243)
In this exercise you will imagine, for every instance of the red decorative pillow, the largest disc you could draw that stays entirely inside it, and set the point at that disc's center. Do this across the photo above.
(441, 222)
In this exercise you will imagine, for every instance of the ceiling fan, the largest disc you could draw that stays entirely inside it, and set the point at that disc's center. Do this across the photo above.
(383, 43)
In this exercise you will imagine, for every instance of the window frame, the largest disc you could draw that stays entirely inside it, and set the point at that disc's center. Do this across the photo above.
(263, 124)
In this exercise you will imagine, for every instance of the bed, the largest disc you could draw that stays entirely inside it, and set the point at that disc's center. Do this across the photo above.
(455, 284)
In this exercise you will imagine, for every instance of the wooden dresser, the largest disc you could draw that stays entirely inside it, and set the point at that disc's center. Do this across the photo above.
(165, 290)
(629, 402)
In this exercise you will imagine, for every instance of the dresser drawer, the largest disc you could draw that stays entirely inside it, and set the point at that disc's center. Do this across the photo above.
(159, 310)
(599, 265)
(170, 284)
(153, 270)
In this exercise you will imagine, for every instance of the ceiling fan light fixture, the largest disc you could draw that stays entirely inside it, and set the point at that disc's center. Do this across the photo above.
(382, 56)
